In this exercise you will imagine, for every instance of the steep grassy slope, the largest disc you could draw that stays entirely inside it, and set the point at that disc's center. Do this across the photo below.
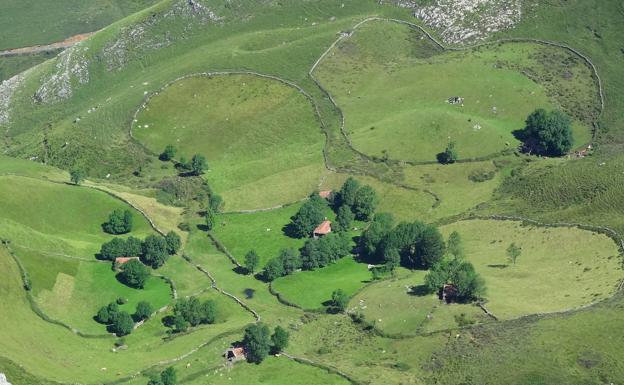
(27, 22)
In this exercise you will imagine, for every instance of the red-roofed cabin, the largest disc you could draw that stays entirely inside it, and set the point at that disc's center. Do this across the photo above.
(120, 261)
(326, 194)
(322, 229)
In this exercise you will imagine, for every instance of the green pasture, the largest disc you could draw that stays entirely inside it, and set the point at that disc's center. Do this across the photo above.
(261, 137)
(261, 231)
(43, 215)
(313, 289)
(72, 291)
(395, 97)
(13, 65)
(559, 268)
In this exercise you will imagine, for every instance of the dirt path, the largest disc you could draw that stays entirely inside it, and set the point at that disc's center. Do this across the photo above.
(69, 42)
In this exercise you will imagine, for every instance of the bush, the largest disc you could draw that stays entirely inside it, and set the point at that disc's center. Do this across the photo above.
(143, 311)
(339, 301)
(123, 324)
(279, 339)
(168, 153)
(119, 222)
(479, 176)
(174, 242)
(449, 155)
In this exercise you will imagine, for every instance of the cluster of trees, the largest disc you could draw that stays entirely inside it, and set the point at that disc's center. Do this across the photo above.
(119, 222)
(360, 200)
(321, 252)
(315, 253)
(414, 245)
(168, 376)
(352, 202)
(153, 251)
(120, 322)
(259, 342)
(548, 133)
(193, 312)
(454, 270)
(196, 166)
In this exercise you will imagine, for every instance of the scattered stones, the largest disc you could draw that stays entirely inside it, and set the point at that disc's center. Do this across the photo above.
(72, 67)
(7, 89)
(463, 21)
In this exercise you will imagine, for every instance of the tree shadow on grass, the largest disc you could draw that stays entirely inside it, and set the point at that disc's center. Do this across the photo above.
(240, 270)
(498, 266)
(290, 231)
(419, 291)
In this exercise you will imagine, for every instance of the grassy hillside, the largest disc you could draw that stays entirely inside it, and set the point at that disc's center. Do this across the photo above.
(27, 23)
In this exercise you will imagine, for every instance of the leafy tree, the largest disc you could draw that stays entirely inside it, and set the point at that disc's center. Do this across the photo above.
(208, 312)
(198, 164)
(76, 176)
(114, 248)
(346, 195)
(321, 252)
(290, 259)
(215, 202)
(344, 218)
(155, 251)
(189, 309)
(430, 247)
(169, 376)
(273, 269)
(252, 260)
(103, 316)
(123, 324)
(449, 155)
(155, 380)
(454, 245)
(309, 216)
(133, 247)
(257, 342)
(180, 324)
(135, 274)
(143, 310)
(119, 222)
(174, 242)
(339, 301)
(460, 273)
(168, 154)
(365, 203)
(211, 218)
(548, 133)
(513, 252)
(377, 230)
(280, 339)
(392, 259)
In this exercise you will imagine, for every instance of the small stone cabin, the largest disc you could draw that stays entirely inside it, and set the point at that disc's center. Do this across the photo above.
(235, 354)
(323, 229)
(448, 293)
(326, 194)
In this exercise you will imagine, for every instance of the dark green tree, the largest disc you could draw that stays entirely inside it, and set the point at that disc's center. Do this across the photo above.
(211, 218)
(169, 376)
(365, 203)
(378, 229)
(198, 164)
(112, 249)
(119, 222)
(180, 324)
(103, 316)
(133, 247)
(290, 259)
(123, 324)
(449, 155)
(76, 176)
(174, 242)
(548, 133)
(257, 342)
(168, 154)
(215, 202)
(143, 311)
(392, 259)
(155, 251)
(252, 260)
(344, 218)
(430, 247)
(208, 312)
(339, 301)
(135, 274)
(273, 269)
(279, 338)
(346, 195)
(460, 273)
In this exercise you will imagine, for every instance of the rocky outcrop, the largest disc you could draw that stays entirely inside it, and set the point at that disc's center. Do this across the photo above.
(7, 89)
(72, 68)
(3, 380)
